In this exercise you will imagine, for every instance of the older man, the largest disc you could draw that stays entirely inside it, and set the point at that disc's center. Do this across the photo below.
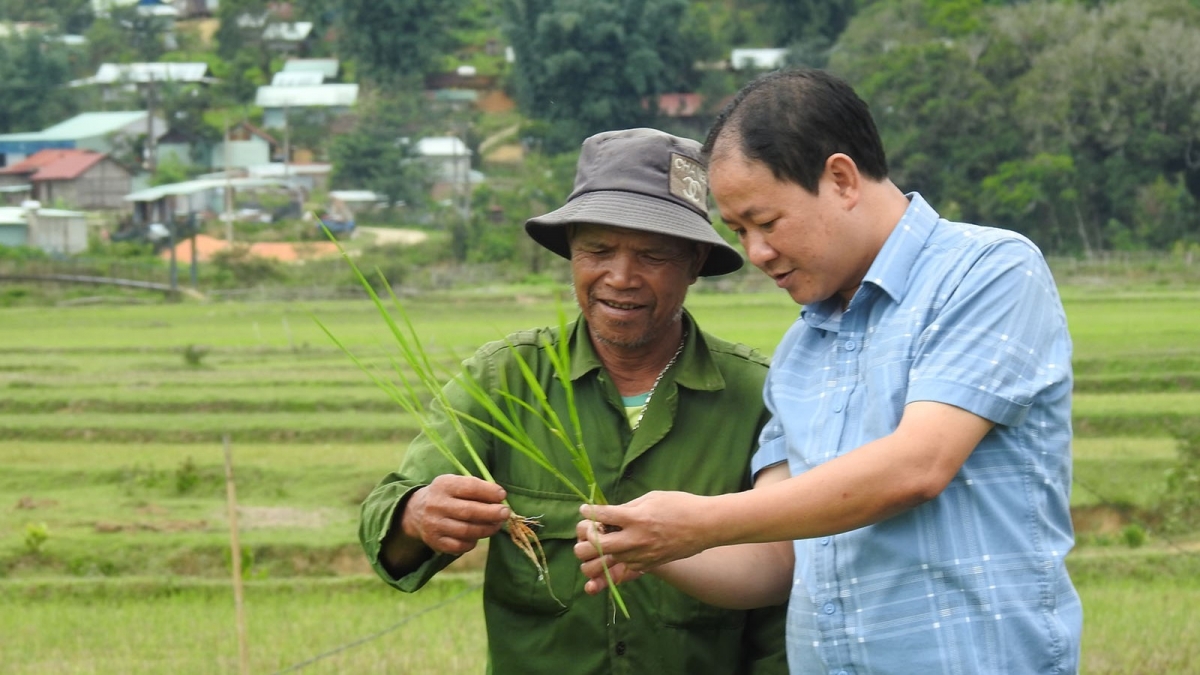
(663, 406)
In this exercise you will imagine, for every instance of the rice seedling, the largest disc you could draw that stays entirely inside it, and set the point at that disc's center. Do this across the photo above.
(417, 380)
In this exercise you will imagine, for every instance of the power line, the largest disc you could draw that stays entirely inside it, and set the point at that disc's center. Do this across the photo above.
(385, 631)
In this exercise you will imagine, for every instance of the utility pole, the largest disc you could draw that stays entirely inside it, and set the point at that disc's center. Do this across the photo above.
(228, 217)
(150, 140)
(287, 142)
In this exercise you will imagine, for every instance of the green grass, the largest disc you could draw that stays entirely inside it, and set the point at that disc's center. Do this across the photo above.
(111, 438)
(153, 626)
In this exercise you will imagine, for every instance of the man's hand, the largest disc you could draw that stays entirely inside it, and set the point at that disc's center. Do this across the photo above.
(593, 565)
(453, 513)
(653, 529)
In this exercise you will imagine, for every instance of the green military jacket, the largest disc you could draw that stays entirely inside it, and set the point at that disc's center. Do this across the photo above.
(697, 435)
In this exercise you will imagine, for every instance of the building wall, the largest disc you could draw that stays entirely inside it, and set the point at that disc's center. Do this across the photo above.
(13, 235)
(63, 235)
(103, 186)
(242, 154)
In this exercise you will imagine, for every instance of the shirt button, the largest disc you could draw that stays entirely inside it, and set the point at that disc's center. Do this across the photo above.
(829, 608)
(620, 649)
(825, 540)
(850, 346)
(837, 407)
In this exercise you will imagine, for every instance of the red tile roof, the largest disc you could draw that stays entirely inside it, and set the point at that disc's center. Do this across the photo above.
(55, 164)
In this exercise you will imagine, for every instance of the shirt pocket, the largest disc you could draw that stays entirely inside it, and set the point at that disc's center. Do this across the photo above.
(512, 580)
(679, 610)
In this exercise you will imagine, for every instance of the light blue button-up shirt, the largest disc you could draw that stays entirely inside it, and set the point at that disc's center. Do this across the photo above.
(972, 581)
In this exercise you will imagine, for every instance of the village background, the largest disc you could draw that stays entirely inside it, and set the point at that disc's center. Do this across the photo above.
(164, 167)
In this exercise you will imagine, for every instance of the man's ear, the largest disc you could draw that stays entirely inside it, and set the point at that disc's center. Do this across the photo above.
(842, 177)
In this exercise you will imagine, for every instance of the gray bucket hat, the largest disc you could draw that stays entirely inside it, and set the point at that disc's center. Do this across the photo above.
(641, 179)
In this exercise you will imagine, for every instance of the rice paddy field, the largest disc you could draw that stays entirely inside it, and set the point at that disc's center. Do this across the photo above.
(114, 541)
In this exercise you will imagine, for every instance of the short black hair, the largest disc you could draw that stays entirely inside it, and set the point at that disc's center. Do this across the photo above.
(794, 120)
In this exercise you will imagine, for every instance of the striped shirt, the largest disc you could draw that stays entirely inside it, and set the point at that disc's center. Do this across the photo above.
(972, 581)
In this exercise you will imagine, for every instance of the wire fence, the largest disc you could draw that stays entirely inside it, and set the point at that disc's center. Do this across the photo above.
(380, 633)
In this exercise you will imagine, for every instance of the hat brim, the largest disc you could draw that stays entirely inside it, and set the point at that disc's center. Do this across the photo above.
(635, 212)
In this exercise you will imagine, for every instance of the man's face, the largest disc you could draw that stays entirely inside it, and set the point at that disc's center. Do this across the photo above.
(630, 284)
(797, 238)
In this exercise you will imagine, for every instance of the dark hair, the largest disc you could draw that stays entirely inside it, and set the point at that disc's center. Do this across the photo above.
(793, 120)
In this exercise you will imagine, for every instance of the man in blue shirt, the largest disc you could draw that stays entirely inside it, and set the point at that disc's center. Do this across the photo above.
(915, 477)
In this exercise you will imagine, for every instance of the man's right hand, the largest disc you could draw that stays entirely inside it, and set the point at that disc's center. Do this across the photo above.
(454, 512)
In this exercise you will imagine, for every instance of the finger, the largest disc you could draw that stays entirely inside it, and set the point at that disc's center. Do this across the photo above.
(595, 586)
(477, 513)
(470, 488)
(586, 551)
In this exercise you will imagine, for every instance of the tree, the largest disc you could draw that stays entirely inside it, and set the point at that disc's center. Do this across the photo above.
(1120, 96)
(1038, 197)
(127, 35)
(398, 39)
(33, 77)
(377, 154)
(585, 66)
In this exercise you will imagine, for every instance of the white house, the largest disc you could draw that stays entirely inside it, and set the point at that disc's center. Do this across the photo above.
(760, 59)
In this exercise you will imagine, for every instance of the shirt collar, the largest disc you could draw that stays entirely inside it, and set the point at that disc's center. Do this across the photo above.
(895, 261)
(890, 270)
(695, 368)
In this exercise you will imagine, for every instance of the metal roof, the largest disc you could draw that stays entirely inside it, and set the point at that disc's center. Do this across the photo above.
(297, 78)
(288, 32)
(281, 169)
(141, 73)
(92, 124)
(325, 95)
(442, 146)
(55, 164)
(193, 186)
(758, 58)
(327, 67)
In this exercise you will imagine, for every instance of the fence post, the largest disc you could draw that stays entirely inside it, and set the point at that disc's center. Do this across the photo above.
(235, 552)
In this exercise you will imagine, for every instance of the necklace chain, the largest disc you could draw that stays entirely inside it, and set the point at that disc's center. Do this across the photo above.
(654, 387)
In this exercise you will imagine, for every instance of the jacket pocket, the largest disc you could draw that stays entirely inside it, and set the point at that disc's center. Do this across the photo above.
(512, 580)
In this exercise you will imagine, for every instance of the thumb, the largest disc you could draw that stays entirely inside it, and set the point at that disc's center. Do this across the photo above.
(605, 515)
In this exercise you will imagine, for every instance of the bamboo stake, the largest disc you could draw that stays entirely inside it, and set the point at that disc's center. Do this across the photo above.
(235, 552)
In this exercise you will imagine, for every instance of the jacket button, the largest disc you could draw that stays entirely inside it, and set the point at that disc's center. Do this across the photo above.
(620, 649)
(628, 475)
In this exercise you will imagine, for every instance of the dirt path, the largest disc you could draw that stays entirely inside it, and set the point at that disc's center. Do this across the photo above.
(388, 235)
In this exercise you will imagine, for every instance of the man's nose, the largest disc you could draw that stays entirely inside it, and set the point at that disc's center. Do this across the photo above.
(623, 271)
(758, 251)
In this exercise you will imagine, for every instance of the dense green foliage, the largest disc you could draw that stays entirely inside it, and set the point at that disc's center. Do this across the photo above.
(1072, 122)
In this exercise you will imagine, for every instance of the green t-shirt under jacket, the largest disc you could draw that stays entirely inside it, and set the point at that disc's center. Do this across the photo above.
(697, 436)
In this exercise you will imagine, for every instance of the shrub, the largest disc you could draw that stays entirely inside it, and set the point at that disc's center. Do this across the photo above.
(36, 535)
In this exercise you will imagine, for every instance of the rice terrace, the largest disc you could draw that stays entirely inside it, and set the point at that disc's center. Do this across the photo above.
(114, 539)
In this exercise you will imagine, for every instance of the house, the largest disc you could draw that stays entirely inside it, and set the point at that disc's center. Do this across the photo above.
(309, 176)
(148, 73)
(448, 165)
(247, 146)
(330, 69)
(758, 59)
(297, 78)
(294, 37)
(81, 178)
(276, 101)
(54, 231)
(101, 132)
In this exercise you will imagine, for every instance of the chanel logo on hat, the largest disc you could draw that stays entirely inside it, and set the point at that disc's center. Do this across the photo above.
(689, 181)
